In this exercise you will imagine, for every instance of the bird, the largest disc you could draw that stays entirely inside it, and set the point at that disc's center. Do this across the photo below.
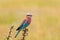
(24, 24)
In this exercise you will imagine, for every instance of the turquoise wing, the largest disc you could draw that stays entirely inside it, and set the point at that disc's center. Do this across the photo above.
(22, 27)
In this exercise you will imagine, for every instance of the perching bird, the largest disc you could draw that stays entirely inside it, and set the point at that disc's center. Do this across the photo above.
(24, 24)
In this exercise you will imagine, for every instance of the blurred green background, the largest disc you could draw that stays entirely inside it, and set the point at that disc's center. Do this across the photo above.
(45, 23)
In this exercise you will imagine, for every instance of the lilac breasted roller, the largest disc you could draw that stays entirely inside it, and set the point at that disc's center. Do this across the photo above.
(24, 24)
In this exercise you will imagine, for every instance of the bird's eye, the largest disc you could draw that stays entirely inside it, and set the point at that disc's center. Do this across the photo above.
(29, 15)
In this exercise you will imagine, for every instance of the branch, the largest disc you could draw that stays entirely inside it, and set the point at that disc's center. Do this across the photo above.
(24, 33)
(9, 35)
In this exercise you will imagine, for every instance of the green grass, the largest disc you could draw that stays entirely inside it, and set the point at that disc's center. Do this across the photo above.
(7, 19)
(44, 26)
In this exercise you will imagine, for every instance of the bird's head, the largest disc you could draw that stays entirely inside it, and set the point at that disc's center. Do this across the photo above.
(29, 15)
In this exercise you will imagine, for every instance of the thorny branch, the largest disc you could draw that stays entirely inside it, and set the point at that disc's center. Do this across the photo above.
(24, 33)
(9, 35)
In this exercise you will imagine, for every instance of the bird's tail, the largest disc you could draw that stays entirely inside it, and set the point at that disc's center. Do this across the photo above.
(17, 33)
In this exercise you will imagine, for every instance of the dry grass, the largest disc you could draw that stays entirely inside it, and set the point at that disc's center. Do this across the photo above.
(45, 23)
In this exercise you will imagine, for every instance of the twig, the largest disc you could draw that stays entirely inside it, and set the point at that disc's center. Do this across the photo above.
(9, 35)
(24, 33)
